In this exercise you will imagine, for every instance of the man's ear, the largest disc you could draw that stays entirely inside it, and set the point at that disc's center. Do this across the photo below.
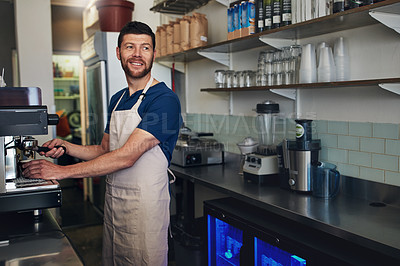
(118, 53)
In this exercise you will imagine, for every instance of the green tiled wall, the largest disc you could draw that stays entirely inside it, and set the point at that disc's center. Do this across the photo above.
(368, 151)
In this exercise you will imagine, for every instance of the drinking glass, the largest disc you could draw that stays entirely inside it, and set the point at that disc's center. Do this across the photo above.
(219, 76)
(229, 78)
(277, 67)
(295, 53)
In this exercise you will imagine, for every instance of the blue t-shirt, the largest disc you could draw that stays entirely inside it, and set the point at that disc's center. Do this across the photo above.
(160, 111)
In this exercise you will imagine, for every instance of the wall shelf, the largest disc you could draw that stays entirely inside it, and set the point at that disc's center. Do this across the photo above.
(349, 19)
(179, 7)
(72, 97)
(319, 85)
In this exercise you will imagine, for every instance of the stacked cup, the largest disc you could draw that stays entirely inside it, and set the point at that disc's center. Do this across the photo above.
(326, 65)
(342, 61)
(308, 66)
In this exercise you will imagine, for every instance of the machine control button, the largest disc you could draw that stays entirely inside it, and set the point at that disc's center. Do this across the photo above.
(291, 182)
(253, 159)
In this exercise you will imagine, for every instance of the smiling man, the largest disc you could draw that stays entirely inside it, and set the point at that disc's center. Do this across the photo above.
(142, 129)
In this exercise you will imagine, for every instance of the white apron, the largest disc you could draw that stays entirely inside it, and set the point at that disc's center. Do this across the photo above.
(136, 208)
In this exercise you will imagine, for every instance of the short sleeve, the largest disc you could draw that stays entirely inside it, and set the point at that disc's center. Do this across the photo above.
(162, 118)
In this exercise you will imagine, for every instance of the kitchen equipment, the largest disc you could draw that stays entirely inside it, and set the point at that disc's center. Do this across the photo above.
(261, 167)
(247, 146)
(194, 149)
(300, 155)
(325, 180)
(19, 122)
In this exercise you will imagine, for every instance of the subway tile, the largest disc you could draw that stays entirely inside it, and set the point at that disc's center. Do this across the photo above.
(392, 178)
(321, 126)
(360, 129)
(393, 147)
(328, 140)
(372, 174)
(360, 158)
(388, 131)
(337, 127)
(385, 162)
(348, 143)
(336, 155)
(372, 145)
(323, 154)
(348, 169)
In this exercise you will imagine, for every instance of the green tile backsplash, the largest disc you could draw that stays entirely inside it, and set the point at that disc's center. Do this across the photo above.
(367, 150)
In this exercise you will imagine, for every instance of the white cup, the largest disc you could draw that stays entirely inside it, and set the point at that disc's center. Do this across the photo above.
(342, 60)
(308, 65)
(326, 66)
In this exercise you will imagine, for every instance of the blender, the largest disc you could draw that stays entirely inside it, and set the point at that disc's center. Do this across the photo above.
(261, 167)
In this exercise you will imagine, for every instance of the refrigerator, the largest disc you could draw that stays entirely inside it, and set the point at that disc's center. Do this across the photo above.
(104, 77)
(242, 234)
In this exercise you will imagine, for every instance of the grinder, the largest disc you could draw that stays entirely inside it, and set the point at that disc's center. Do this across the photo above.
(300, 155)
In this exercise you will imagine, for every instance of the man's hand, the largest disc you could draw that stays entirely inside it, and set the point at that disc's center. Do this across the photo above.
(53, 152)
(43, 169)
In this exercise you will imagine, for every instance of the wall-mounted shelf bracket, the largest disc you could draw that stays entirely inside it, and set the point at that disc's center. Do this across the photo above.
(179, 66)
(223, 2)
(222, 58)
(277, 43)
(392, 87)
(388, 19)
(288, 93)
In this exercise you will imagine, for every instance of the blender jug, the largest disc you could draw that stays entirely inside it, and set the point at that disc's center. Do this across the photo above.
(270, 127)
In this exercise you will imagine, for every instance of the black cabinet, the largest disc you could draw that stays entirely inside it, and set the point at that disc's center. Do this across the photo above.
(242, 234)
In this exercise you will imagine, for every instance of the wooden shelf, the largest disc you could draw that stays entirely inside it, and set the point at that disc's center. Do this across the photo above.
(319, 85)
(66, 79)
(350, 19)
(72, 97)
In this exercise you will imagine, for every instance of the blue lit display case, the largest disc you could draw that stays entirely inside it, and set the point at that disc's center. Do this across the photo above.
(242, 234)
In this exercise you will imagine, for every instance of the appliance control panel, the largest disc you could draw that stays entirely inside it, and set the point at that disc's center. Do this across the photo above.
(193, 159)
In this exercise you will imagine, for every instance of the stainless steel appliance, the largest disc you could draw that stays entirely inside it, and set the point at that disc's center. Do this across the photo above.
(261, 167)
(194, 149)
(22, 117)
(300, 155)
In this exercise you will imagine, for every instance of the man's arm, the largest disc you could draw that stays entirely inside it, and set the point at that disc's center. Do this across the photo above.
(138, 143)
(82, 152)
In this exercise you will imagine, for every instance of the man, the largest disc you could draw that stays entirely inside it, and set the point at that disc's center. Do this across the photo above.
(142, 130)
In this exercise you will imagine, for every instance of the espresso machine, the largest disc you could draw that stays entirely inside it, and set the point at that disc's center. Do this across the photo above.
(261, 167)
(22, 116)
(297, 158)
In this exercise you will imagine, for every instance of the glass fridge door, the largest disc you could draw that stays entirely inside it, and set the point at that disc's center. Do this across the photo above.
(224, 243)
(97, 97)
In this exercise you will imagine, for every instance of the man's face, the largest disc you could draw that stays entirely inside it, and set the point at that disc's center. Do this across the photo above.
(136, 55)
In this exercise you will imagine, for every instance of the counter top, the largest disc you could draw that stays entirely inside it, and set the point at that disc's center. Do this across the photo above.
(349, 218)
(29, 240)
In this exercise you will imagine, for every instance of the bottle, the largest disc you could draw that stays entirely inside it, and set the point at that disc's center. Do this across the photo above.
(260, 15)
(268, 14)
(356, 3)
(276, 13)
(338, 6)
(286, 12)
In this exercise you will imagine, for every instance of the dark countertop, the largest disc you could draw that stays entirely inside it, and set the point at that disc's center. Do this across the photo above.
(29, 240)
(346, 217)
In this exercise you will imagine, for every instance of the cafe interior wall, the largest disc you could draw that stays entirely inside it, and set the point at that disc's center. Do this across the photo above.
(359, 126)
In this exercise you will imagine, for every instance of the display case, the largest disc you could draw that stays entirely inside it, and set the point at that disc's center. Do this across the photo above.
(242, 234)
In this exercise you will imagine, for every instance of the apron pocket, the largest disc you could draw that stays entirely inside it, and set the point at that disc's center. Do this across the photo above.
(122, 208)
